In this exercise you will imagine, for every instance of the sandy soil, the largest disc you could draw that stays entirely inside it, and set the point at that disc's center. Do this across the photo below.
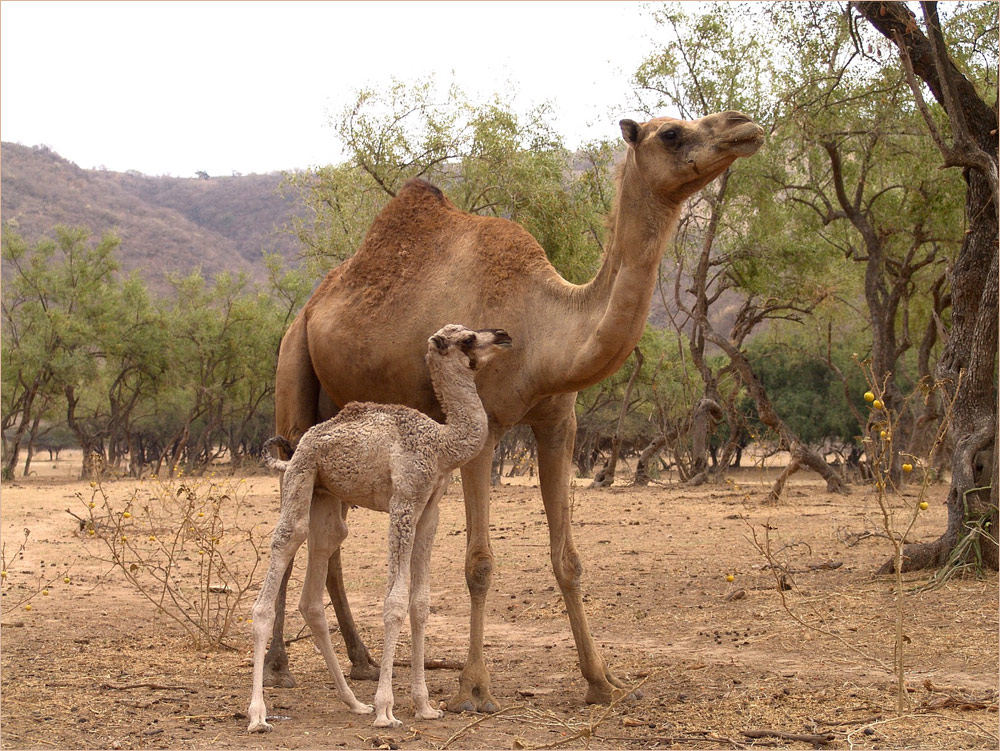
(93, 664)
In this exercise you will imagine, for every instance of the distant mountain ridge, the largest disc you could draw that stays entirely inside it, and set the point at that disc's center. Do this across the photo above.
(167, 224)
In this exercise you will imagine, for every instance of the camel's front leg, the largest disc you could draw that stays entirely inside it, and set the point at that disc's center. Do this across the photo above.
(402, 529)
(555, 437)
(420, 599)
(474, 683)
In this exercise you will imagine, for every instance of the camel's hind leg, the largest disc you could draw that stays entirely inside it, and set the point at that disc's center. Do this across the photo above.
(420, 588)
(300, 403)
(289, 534)
(327, 531)
(474, 682)
(363, 667)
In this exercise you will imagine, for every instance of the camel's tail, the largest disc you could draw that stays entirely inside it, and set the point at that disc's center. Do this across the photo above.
(265, 455)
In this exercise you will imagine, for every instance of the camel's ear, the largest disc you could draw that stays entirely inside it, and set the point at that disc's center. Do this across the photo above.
(440, 342)
(630, 131)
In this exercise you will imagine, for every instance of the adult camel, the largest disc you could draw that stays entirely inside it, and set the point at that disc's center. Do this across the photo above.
(362, 336)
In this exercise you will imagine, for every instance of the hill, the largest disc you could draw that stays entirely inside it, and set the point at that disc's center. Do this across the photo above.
(167, 224)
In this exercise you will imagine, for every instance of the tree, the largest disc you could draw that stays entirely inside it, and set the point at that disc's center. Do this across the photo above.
(55, 306)
(727, 242)
(967, 366)
(858, 165)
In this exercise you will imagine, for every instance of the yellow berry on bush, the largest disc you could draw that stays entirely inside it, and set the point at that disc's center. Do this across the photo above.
(924, 505)
(730, 577)
(907, 467)
(45, 593)
(869, 396)
(66, 580)
(28, 606)
(127, 515)
(877, 404)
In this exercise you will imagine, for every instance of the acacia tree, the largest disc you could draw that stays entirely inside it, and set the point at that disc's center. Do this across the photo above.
(58, 304)
(727, 243)
(858, 163)
(966, 136)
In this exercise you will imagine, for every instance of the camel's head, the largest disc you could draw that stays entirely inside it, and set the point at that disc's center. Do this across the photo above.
(679, 157)
(474, 348)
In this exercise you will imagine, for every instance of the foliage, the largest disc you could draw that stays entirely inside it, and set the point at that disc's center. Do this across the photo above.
(170, 223)
(138, 381)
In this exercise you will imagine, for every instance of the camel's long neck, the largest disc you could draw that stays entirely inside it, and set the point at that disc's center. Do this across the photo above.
(616, 303)
(465, 429)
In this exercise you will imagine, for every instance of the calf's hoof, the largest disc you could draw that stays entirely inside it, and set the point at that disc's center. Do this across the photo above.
(259, 726)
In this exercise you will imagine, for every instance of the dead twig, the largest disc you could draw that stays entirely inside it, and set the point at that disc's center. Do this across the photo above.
(816, 739)
(152, 686)
(463, 730)
(433, 663)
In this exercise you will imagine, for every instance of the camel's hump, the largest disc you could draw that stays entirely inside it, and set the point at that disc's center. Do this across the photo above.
(420, 229)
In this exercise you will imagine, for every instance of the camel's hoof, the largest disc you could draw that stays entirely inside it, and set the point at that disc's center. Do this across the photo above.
(364, 672)
(363, 709)
(430, 714)
(486, 705)
(279, 677)
(280, 680)
(387, 722)
(610, 690)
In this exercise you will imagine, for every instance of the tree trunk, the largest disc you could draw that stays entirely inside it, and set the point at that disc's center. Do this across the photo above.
(707, 413)
(648, 454)
(967, 366)
(606, 476)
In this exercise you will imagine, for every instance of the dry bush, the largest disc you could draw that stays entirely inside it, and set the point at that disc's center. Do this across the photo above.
(182, 544)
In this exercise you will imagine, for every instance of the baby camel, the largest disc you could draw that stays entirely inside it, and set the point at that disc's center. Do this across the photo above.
(387, 458)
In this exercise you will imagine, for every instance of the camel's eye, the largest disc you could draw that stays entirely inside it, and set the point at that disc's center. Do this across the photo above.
(670, 136)
(468, 341)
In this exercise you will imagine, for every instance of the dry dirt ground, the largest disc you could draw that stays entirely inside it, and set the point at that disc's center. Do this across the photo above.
(94, 665)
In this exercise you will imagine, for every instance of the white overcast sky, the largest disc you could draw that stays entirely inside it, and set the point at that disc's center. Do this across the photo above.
(176, 87)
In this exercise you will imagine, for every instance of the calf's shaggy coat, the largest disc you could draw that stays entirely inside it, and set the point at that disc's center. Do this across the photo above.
(387, 458)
